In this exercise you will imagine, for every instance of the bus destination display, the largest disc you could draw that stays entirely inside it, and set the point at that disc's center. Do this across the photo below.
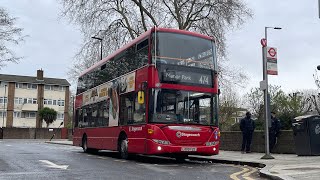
(187, 77)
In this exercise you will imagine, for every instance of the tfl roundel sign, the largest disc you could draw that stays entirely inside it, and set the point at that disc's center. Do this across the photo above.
(271, 53)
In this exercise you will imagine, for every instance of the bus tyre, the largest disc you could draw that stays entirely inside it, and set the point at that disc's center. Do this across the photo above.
(84, 144)
(124, 149)
(85, 147)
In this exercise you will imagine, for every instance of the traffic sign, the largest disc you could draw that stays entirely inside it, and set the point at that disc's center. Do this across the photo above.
(263, 42)
(271, 53)
(272, 68)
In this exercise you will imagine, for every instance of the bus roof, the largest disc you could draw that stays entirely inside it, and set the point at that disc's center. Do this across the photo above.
(139, 38)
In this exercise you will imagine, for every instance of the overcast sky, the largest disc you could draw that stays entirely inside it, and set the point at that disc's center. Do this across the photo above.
(52, 41)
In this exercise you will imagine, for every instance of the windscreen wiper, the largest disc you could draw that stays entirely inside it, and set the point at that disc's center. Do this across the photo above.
(175, 122)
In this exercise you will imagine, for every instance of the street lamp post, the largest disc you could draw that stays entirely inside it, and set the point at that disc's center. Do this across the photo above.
(266, 96)
(100, 39)
(4, 104)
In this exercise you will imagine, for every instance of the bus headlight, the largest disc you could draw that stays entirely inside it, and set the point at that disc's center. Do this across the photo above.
(212, 143)
(161, 141)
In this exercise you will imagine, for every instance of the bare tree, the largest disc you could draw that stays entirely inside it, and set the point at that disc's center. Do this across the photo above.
(315, 97)
(124, 20)
(229, 106)
(9, 34)
(316, 79)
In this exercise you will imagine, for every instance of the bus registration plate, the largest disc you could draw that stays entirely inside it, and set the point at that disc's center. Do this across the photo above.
(188, 149)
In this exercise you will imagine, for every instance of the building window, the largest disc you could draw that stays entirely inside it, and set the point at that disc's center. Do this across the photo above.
(32, 86)
(17, 114)
(19, 85)
(56, 88)
(60, 102)
(47, 87)
(18, 100)
(32, 100)
(3, 114)
(62, 88)
(32, 114)
(54, 102)
(48, 101)
(3, 100)
(60, 116)
(28, 114)
(22, 85)
(2, 84)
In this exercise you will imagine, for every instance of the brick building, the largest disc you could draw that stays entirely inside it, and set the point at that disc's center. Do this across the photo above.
(22, 96)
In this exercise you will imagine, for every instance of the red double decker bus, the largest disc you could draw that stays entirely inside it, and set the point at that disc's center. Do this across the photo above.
(158, 95)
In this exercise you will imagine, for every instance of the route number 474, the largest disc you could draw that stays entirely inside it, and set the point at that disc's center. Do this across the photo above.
(204, 80)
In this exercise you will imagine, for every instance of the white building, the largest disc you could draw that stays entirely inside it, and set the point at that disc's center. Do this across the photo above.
(22, 96)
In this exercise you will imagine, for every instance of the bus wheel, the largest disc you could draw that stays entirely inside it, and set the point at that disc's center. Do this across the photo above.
(124, 149)
(84, 144)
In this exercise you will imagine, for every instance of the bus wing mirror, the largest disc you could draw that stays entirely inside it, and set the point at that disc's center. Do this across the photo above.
(141, 97)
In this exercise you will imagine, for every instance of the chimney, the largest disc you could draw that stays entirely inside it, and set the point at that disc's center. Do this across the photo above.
(40, 75)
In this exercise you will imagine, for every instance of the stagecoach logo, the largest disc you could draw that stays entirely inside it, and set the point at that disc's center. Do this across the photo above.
(180, 134)
(134, 129)
(317, 129)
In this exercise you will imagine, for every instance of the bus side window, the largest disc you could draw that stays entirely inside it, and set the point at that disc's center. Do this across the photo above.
(126, 109)
(139, 111)
(105, 112)
(77, 118)
(80, 118)
(131, 111)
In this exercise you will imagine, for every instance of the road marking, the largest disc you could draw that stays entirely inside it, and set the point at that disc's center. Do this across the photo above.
(234, 175)
(8, 145)
(246, 175)
(53, 165)
(119, 160)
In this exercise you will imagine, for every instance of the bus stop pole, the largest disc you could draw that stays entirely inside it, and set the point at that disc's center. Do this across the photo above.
(266, 101)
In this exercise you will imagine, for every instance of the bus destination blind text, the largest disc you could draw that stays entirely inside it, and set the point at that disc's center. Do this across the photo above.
(182, 77)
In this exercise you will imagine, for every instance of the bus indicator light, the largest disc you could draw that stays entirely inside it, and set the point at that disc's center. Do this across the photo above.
(150, 131)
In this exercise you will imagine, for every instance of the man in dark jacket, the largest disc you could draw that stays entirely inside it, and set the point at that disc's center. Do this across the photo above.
(274, 131)
(247, 127)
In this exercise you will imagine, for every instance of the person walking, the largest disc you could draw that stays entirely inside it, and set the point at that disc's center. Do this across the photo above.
(274, 131)
(247, 126)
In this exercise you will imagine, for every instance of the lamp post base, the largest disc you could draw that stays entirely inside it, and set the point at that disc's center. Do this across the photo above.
(267, 156)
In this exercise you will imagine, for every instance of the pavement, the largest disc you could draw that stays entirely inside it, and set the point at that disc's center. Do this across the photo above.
(283, 166)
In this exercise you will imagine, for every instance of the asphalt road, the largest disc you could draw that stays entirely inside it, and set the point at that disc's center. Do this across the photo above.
(34, 159)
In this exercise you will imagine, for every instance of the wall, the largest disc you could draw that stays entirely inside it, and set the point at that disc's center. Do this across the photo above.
(30, 133)
(70, 134)
(232, 140)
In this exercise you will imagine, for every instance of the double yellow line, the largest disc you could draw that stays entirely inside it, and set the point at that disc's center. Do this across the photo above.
(246, 174)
